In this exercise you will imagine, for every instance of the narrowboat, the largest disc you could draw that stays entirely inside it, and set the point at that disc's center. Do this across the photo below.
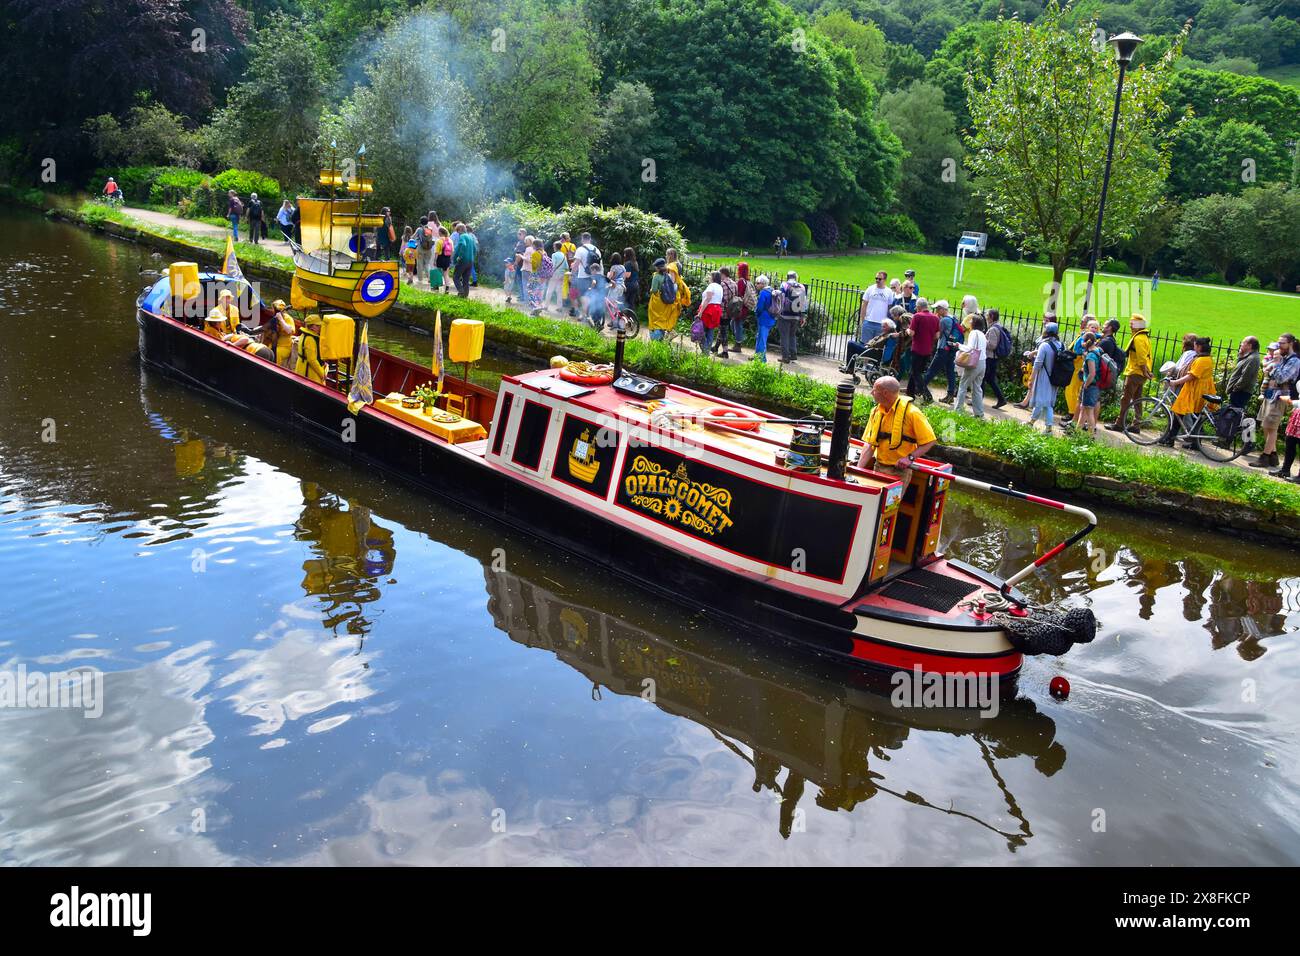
(764, 523)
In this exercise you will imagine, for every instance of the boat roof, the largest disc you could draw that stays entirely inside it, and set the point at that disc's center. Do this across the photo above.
(759, 446)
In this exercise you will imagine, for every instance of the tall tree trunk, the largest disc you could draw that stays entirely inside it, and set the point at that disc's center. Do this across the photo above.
(1059, 263)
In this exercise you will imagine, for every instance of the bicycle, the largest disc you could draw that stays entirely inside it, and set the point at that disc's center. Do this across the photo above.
(1153, 421)
(614, 316)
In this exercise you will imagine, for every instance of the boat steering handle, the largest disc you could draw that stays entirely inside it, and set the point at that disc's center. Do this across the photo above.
(1028, 569)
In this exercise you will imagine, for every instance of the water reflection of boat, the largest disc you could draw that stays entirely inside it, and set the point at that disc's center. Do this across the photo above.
(823, 727)
(352, 553)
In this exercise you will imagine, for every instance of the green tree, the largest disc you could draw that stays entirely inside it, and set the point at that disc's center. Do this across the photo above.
(151, 136)
(1041, 118)
(967, 49)
(1152, 233)
(423, 136)
(932, 187)
(863, 40)
(1212, 231)
(536, 87)
(903, 65)
(769, 120)
(1272, 240)
(271, 120)
(630, 136)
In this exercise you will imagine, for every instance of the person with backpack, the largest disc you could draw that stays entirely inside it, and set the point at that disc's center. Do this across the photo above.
(443, 249)
(1109, 347)
(463, 256)
(423, 248)
(663, 301)
(748, 296)
(997, 346)
(945, 353)
(1137, 368)
(731, 307)
(794, 312)
(234, 212)
(586, 264)
(709, 315)
(1090, 389)
(970, 359)
(256, 229)
(1048, 363)
(1075, 386)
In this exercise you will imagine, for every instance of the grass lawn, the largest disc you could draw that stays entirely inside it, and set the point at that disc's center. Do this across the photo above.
(1217, 311)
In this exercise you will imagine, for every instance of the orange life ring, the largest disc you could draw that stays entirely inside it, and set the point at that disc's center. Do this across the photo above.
(586, 379)
(743, 420)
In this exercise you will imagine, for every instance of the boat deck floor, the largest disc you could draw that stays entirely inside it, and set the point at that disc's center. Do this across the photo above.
(936, 590)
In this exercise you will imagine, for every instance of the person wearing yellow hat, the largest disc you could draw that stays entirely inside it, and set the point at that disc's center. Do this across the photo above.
(309, 363)
(279, 333)
(215, 324)
(229, 310)
(1137, 370)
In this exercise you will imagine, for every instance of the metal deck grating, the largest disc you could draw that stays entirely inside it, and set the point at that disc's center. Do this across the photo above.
(934, 592)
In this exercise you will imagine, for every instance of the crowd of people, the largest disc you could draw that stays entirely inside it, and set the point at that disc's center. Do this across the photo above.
(907, 336)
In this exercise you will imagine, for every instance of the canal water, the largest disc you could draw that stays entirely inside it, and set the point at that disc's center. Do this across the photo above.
(307, 664)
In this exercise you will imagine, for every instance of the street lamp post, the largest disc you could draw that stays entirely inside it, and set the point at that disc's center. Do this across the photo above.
(1125, 45)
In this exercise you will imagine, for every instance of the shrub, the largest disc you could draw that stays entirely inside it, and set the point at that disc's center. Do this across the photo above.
(1213, 278)
(825, 231)
(812, 332)
(1250, 282)
(1119, 267)
(171, 184)
(613, 229)
(135, 181)
(799, 235)
(244, 182)
(855, 234)
(894, 230)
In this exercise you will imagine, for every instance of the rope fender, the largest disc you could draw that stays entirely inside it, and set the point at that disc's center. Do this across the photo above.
(1041, 630)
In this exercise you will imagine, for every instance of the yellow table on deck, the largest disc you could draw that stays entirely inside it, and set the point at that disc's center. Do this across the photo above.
(457, 432)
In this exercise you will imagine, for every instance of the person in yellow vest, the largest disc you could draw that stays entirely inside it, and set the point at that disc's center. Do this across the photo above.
(229, 311)
(898, 432)
(309, 363)
(215, 324)
(278, 334)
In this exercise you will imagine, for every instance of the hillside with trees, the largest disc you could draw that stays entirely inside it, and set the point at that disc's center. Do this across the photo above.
(833, 122)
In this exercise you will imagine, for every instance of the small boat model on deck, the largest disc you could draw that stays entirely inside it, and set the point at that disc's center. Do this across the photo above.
(687, 495)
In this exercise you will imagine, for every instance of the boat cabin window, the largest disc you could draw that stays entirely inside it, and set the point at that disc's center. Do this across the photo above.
(503, 420)
(531, 435)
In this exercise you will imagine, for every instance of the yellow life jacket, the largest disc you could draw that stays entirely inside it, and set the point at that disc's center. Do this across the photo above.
(309, 363)
(896, 436)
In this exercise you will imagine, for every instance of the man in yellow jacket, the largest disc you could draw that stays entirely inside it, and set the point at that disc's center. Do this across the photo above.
(309, 363)
(898, 432)
(1136, 370)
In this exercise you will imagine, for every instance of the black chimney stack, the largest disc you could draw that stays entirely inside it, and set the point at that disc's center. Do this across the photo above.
(839, 455)
(618, 352)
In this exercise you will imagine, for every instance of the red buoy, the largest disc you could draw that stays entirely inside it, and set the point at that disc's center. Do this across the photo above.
(1059, 687)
